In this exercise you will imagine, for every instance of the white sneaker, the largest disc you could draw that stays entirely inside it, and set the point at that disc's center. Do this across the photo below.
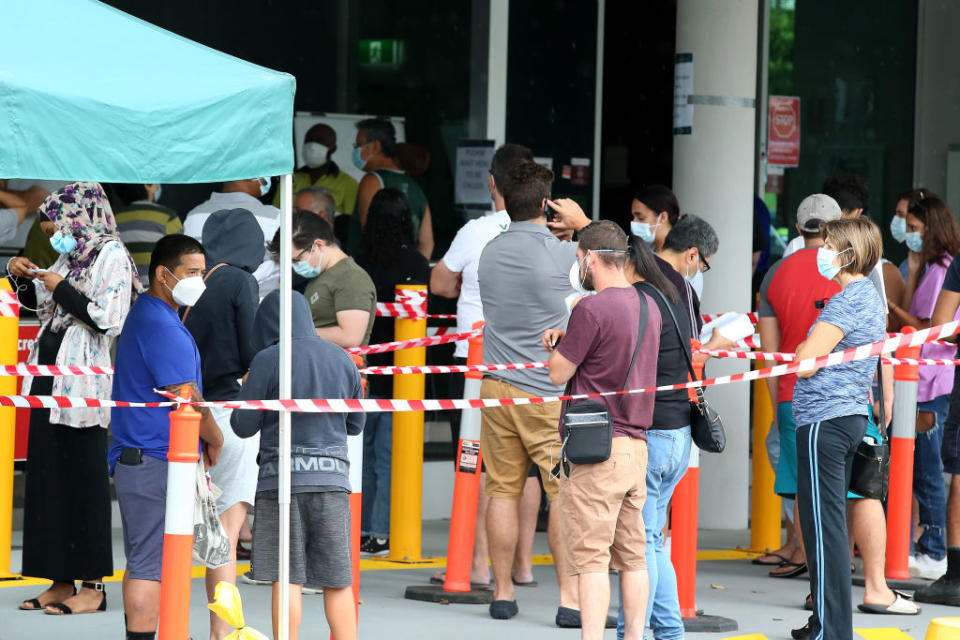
(926, 568)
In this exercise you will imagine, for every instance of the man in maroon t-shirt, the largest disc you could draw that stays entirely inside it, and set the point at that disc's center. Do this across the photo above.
(602, 503)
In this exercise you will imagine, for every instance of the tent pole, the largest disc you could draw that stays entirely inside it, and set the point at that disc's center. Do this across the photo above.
(286, 206)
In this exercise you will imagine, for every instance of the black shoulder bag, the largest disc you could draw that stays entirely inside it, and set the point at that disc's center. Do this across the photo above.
(706, 427)
(870, 475)
(588, 425)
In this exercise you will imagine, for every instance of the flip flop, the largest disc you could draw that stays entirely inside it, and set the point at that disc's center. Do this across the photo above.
(531, 583)
(799, 568)
(900, 607)
(770, 564)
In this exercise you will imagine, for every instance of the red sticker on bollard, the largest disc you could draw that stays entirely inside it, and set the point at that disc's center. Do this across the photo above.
(469, 456)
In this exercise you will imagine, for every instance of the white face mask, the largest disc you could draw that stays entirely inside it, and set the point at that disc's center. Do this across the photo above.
(187, 291)
(315, 154)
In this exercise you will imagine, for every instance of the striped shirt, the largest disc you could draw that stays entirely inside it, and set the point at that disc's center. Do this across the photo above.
(141, 224)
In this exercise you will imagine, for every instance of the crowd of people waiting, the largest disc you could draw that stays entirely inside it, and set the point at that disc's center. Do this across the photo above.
(195, 307)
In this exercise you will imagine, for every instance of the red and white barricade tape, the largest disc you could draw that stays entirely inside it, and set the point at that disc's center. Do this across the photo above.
(9, 305)
(52, 370)
(461, 368)
(346, 405)
(414, 343)
(412, 304)
(710, 317)
(440, 331)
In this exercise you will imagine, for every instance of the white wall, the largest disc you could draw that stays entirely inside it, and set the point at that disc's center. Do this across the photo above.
(713, 178)
(937, 96)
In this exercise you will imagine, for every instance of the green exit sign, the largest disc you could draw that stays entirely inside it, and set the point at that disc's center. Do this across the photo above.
(381, 53)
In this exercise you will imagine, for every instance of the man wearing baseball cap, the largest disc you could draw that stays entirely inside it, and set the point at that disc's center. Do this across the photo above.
(790, 295)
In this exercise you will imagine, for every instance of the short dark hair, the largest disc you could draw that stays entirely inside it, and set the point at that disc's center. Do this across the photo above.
(307, 227)
(692, 231)
(657, 198)
(121, 194)
(380, 129)
(525, 186)
(605, 235)
(507, 157)
(848, 189)
(169, 251)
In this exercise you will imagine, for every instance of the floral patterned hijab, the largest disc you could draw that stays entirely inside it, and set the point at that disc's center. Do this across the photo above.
(82, 210)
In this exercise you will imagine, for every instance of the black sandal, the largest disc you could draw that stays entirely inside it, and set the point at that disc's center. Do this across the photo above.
(60, 609)
(799, 568)
(35, 603)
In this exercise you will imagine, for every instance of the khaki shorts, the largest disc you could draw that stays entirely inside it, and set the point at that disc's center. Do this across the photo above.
(602, 507)
(513, 437)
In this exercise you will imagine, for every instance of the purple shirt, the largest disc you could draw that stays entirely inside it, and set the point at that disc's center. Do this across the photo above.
(600, 340)
(934, 381)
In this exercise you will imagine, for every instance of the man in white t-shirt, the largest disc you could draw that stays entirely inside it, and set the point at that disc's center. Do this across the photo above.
(456, 274)
(242, 194)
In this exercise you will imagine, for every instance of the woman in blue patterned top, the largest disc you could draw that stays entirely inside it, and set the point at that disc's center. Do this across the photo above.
(830, 406)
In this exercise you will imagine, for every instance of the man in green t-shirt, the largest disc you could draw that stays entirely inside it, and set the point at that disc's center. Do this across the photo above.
(375, 152)
(342, 297)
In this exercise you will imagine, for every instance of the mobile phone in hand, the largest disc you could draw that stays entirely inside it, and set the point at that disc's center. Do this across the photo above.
(549, 212)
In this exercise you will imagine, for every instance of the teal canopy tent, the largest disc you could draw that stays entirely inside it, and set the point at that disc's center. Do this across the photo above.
(88, 92)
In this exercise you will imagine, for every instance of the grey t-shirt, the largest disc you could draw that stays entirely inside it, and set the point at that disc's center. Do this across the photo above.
(524, 278)
(843, 389)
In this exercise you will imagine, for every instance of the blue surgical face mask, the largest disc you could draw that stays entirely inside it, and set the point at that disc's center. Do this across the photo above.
(357, 157)
(643, 230)
(825, 259)
(898, 228)
(61, 243)
(914, 241)
(307, 270)
(264, 186)
(693, 276)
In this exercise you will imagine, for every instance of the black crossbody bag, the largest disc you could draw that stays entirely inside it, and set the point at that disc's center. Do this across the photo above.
(706, 427)
(870, 476)
(588, 425)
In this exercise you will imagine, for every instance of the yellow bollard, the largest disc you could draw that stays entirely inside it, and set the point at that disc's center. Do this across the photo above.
(943, 629)
(9, 334)
(765, 504)
(406, 473)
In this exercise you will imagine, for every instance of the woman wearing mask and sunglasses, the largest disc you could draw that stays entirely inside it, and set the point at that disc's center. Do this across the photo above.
(82, 301)
(933, 238)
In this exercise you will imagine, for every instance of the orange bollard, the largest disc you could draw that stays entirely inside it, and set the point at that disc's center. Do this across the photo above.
(466, 489)
(175, 575)
(683, 546)
(903, 433)
(683, 528)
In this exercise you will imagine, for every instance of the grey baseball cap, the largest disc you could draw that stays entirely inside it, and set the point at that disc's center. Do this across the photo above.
(815, 210)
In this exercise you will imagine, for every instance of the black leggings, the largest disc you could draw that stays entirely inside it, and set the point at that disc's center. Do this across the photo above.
(825, 453)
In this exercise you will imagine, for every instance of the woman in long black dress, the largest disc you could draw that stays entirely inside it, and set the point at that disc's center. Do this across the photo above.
(82, 301)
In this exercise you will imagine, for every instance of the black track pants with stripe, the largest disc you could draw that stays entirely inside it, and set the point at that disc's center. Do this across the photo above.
(825, 453)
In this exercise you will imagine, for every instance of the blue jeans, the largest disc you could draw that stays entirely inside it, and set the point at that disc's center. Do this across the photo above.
(928, 481)
(377, 452)
(668, 452)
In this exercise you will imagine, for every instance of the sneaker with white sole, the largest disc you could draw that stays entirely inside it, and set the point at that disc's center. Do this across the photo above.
(926, 568)
(247, 578)
(374, 547)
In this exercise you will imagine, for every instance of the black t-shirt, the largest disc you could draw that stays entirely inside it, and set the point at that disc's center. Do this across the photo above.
(408, 267)
(672, 408)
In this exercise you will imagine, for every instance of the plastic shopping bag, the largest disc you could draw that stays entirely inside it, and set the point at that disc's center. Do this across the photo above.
(226, 604)
(211, 546)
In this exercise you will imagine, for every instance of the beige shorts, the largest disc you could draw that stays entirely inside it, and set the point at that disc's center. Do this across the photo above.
(513, 437)
(602, 507)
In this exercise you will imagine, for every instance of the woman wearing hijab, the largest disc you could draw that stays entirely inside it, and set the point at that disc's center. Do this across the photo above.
(82, 301)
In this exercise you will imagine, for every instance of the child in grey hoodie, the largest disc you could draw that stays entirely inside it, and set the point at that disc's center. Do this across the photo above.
(320, 485)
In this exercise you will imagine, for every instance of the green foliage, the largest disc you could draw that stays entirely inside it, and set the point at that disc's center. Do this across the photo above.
(782, 17)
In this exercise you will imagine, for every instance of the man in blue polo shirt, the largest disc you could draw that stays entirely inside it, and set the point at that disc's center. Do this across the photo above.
(155, 351)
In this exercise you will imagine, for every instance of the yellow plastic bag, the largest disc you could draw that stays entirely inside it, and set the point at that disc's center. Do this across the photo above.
(226, 604)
